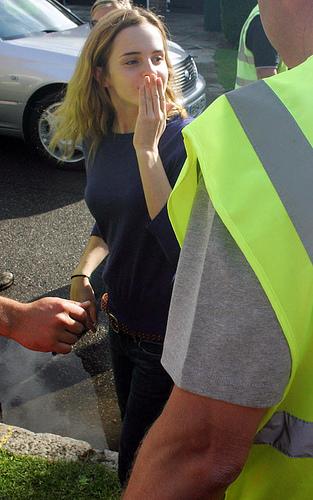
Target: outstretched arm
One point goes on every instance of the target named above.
(48, 324)
(195, 450)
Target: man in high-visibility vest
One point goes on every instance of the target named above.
(257, 57)
(239, 343)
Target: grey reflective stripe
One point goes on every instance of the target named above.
(283, 149)
(288, 434)
(243, 81)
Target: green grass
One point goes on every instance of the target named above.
(24, 478)
(226, 61)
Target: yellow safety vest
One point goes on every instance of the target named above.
(246, 70)
(254, 149)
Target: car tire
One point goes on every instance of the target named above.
(39, 132)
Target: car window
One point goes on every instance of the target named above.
(20, 18)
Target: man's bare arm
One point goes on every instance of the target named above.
(195, 450)
(48, 324)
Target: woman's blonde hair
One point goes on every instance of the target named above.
(87, 112)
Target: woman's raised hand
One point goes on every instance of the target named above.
(151, 120)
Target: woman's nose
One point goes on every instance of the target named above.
(149, 69)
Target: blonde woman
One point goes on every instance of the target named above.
(102, 7)
(120, 103)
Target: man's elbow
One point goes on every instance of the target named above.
(218, 474)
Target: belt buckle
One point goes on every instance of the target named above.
(113, 322)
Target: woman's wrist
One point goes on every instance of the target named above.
(144, 149)
(80, 275)
(147, 156)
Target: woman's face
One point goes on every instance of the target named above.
(137, 51)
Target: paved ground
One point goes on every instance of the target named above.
(44, 224)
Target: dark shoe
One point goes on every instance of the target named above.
(6, 280)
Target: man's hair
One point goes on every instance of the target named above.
(118, 4)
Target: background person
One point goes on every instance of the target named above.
(102, 7)
(120, 102)
(256, 58)
(239, 340)
(50, 324)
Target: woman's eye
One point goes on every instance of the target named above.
(157, 59)
(131, 62)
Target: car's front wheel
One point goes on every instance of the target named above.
(39, 133)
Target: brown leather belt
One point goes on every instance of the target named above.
(119, 327)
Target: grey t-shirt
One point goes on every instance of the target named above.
(223, 340)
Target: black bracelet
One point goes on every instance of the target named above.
(80, 275)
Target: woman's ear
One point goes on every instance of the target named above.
(98, 74)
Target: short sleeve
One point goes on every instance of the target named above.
(265, 56)
(223, 339)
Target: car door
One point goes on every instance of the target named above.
(11, 89)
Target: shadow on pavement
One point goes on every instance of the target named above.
(32, 186)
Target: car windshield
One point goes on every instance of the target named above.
(20, 18)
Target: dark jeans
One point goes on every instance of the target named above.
(142, 387)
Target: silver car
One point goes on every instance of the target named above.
(40, 41)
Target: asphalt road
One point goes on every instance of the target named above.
(44, 224)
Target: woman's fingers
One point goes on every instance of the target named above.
(91, 322)
(151, 119)
(69, 337)
(150, 95)
(155, 96)
(161, 93)
(142, 101)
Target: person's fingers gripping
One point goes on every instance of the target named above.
(91, 323)
(68, 338)
(75, 318)
(85, 313)
(92, 314)
(74, 326)
(61, 348)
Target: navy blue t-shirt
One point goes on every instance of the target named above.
(143, 254)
